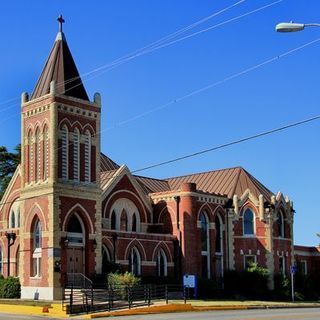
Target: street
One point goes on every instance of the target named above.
(269, 314)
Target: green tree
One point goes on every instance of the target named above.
(8, 164)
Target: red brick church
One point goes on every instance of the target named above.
(71, 209)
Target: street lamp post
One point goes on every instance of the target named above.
(293, 27)
(11, 236)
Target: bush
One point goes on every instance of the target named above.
(127, 280)
(121, 283)
(10, 288)
(252, 283)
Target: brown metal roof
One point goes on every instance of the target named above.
(105, 177)
(151, 185)
(60, 67)
(224, 182)
(107, 164)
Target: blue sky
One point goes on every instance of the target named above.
(278, 93)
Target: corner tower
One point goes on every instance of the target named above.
(60, 177)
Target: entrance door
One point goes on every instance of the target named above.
(75, 260)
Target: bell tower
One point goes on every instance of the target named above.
(60, 177)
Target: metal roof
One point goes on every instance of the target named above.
(60, 67)
(224, 182)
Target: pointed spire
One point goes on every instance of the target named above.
(61, 68)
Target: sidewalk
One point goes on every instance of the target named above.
(202, 305)
(49, 309)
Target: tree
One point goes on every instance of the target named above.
(8, 164)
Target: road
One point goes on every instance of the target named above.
(270, 314)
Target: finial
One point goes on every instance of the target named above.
(61, 21)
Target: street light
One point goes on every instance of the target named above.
(293, 27)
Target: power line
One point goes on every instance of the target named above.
(133, 54)
(212, 85)
(221, 146)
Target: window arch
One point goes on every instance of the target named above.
(281, 224)
(218, 226)
(124, 221)
(64, 152)
(248, 222)
(113, 223)
(75, 231)
(205, 246)
(76, 155)
(45, 154)
(87, 156)
(135, 262)
(14, 216)
(124, 215)
(12, 219)
(37, 249)
(30, 157)
(134, 222)
(162, 264)
(37, 149)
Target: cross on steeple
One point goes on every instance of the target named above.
(61, 21)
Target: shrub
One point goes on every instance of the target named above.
(121, 283)
(10, 288)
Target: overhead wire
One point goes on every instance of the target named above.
(133, 54)
(194, 154)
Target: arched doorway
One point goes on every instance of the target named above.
(75, 244)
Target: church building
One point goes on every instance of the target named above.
(70, 209)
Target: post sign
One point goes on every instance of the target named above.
(293, 269)
(189, 281)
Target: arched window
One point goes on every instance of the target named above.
(37, 235)
(134, 262)
(205, 251)
(1, 261)
(37, 148)
(87, 157)
(76, 155)
(248, 222)
(134, 223)
(75, 232)
(124, 221)
(45, 156)
(281, 226)
(162, 264)
(64, 152)
(12, 219)
(30, 157)
(113, 224)
(218, 235)
(37, 251)
(106, 259)
(18, 218)
(126, 216)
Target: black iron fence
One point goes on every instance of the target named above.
(81, 300)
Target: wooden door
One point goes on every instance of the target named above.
(75, 260)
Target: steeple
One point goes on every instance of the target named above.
(61, 68)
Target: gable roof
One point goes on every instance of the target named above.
(224, 182)
(107, 164)
(60, 67)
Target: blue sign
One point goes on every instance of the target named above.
(293, 269)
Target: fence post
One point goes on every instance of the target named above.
(149, 295)
(70, 302)
(166, 294)
(91, 298)
(184, 295)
